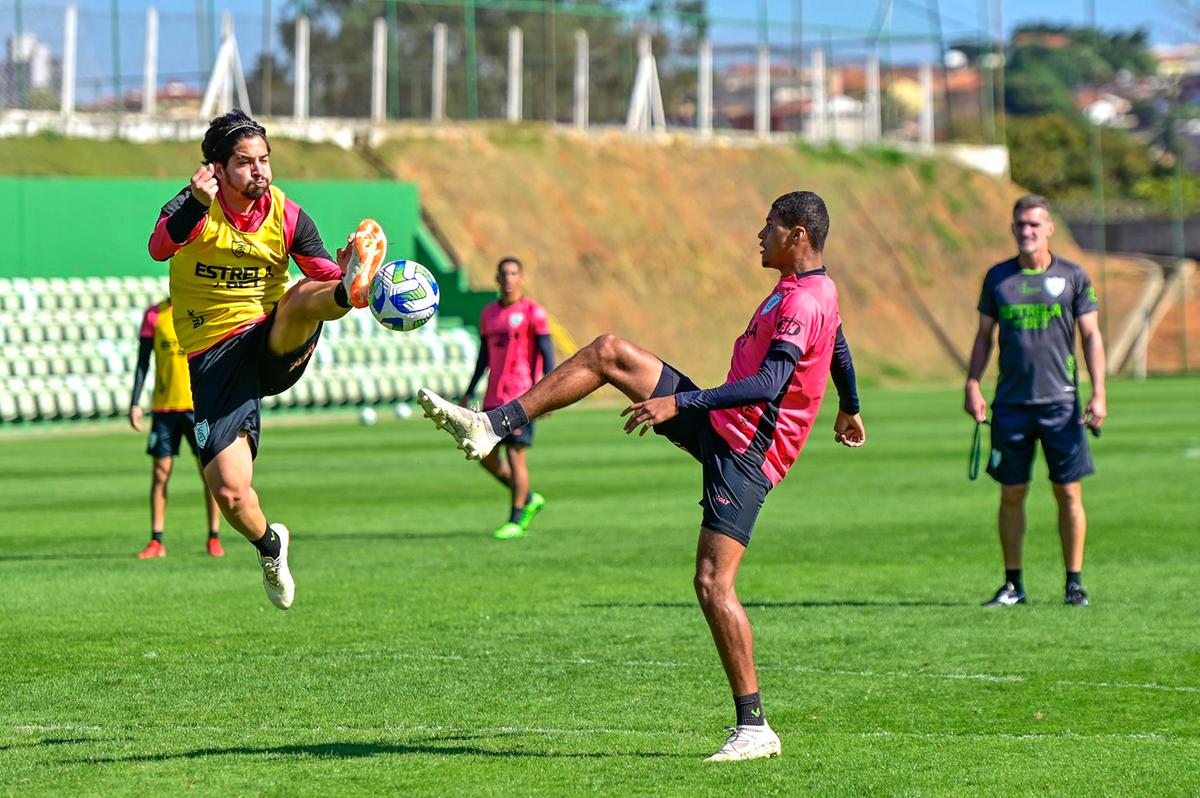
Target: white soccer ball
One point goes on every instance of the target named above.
(368, 416)
(403, 411)
(404, 295)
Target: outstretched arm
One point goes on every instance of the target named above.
(763, 385)
(973, 403)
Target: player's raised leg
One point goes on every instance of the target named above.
(608, 360)
(309, 302)
(717, 560)
(228, 476)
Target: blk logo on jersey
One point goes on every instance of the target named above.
(240, 249)
(1055, 285)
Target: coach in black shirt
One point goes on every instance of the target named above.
(1036, 299)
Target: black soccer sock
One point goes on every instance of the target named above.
(749, 710)
(1013, 575)
(213, 534)
(269, 544)
(156, 536)
(507, 417)
(529, 497)
(517, 512)
(1075, 578)
(340, 296)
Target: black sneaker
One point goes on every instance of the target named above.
(1075, 596)
(1008, 595)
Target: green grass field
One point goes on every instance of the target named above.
(423, 657)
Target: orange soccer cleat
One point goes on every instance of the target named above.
(153, 549)
(214, 548)
(369, 250)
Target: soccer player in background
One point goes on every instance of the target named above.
(514, 335)
(1036, 299)
(171, 420)
(746, 434)
(229, 235)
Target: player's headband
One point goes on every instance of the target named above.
(259, 129)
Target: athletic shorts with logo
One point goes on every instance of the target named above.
(734, 487)
(168, 428)
(229, 380)
(1016, 430)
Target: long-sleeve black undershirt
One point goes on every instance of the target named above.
(772, 378)
(145, 349)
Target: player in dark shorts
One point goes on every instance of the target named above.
(514, 348)
(230, 235)
(746, 434)
(1036, 299)
(171, 422)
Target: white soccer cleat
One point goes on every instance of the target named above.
(277, 578)
(472, 431)
(366, 256)
(747, 742)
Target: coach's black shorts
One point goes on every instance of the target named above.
(230, 379)
(1016, 429)
(167, 429)
(734, 486)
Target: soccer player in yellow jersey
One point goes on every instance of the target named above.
(172, 420)
(229, 236)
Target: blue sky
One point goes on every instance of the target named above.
(182, 50)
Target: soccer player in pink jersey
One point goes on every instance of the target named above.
(514, 348)
(746, 433)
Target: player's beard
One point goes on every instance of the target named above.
(254, 191)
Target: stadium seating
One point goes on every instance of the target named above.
(68, 349)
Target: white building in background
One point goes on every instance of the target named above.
(26, 49)
(28, 66)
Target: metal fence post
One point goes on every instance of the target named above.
(580, 115)
(300, 97)
(437, 111)
(379, 71)
(70, 45)
(150, 65)
(516, 57)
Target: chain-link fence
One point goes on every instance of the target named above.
(496, 59)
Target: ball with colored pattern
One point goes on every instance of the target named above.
(404, 295)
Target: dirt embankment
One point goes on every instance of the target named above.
(657, 242)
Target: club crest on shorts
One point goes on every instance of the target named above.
(202, 433)
(995, 458)
(1055, 285)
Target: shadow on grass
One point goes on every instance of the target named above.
(64, 557)
(437, 747)
(40, 743)
(751, 604)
